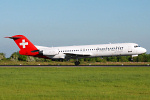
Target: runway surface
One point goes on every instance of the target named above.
(72, 66)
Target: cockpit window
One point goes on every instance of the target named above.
(136, 46)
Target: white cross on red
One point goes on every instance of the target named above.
(24, 43)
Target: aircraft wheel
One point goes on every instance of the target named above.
(77, 63)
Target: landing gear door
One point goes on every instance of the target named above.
(129, 49)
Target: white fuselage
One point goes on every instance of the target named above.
(100, 50)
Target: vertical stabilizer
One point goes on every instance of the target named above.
(26, 47)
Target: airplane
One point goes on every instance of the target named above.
(77, 52)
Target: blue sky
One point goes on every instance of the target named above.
(74, 22)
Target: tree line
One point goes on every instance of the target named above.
(17, 57)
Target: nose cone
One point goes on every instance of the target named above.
(141, 50)
(144, 50)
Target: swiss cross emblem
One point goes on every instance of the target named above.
(24, 43)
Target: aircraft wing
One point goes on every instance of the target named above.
(74, 55)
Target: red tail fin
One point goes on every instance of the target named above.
(26, 47)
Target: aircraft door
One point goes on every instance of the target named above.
(97, 49)
(83, 49)
(129, 49)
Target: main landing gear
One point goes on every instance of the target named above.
(77, 63)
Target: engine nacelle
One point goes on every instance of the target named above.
(50, 52)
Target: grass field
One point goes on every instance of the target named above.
(7, 62)
(74, 83)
